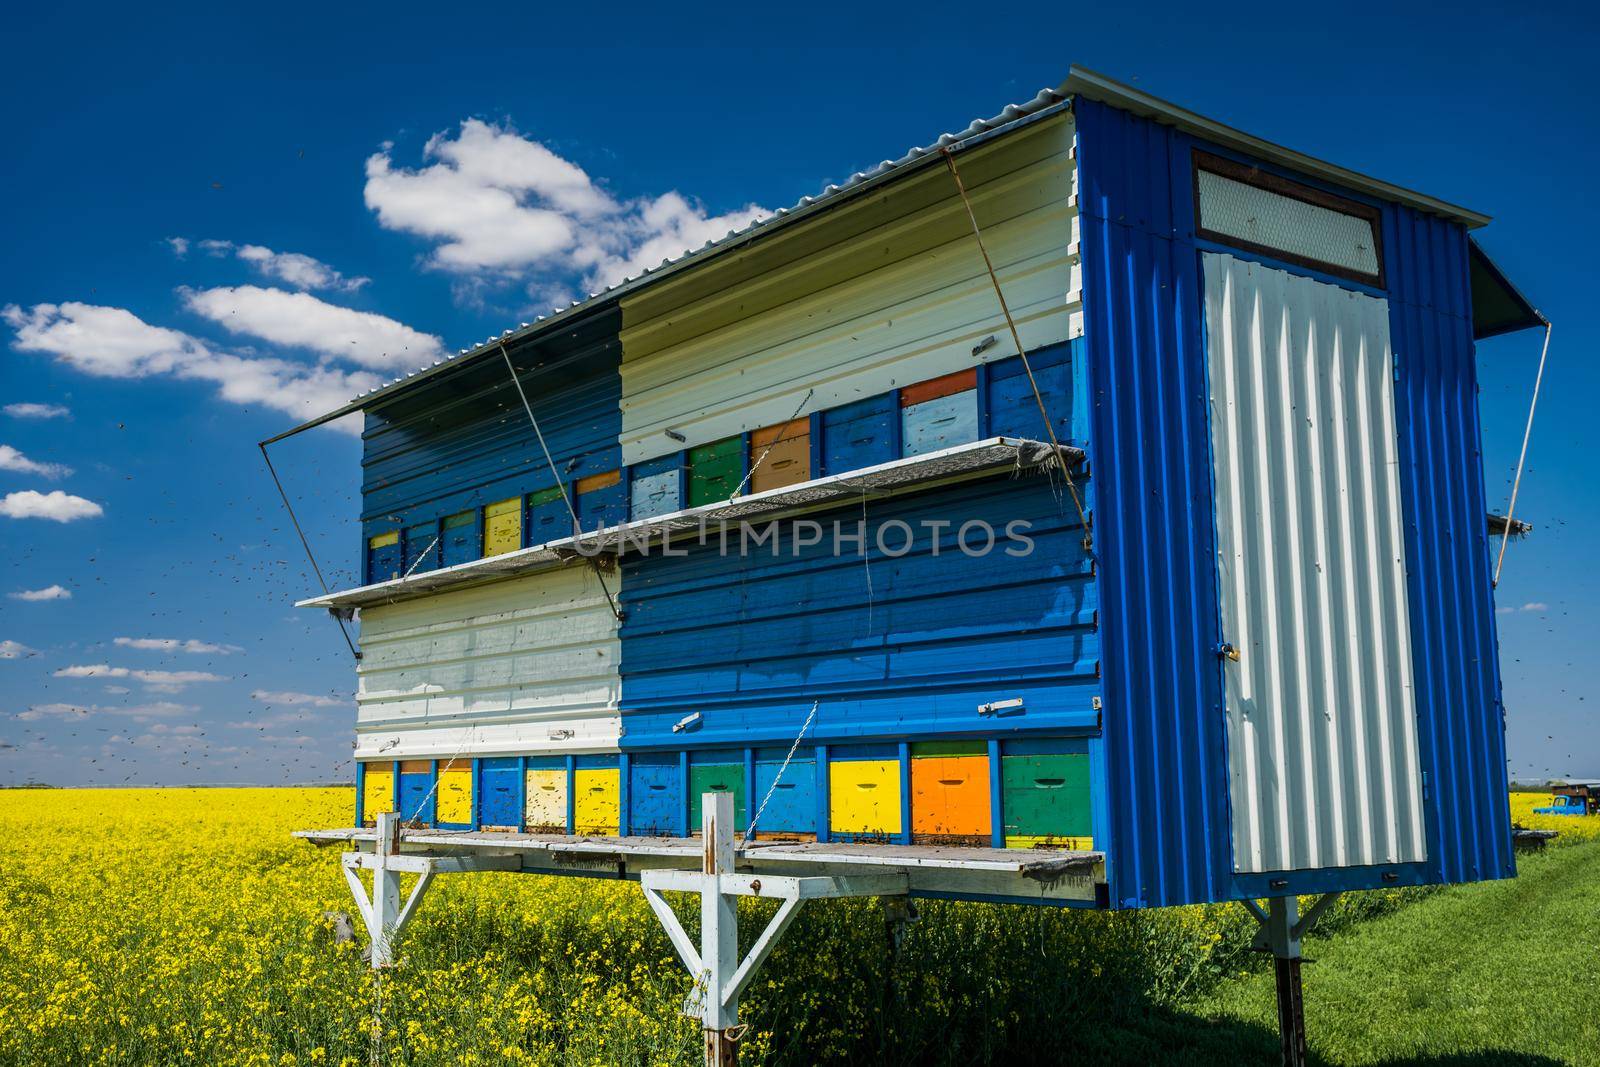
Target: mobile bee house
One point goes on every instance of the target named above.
(1084, 509)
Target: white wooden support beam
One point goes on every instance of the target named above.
(381, 910)
(719, 927)
(720, 976)
(778, 887)
(675, 932)
(426, 864)
(759, 952)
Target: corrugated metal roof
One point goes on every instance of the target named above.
(1047, 101)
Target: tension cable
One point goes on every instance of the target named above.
(561, 484)
(1016, 339)
(307, 546)
(1516, 482)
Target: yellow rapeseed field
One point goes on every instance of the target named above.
(178, 926)
(1579, 827)
(185, 926)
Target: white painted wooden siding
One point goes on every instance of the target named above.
(1322, 734)
(873, 296)
(527, 665)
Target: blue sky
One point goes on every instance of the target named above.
(321, 245)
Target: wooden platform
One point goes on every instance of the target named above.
(1032, 875)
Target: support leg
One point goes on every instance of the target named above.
(1291, 1011)
(1283, 939)
(382, 912)
(719, 933)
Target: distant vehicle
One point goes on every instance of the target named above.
(1564, 805)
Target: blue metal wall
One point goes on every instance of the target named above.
(1155, 545)
(463, 440)
(1461, 720)
(1150, 450)
(891, 647)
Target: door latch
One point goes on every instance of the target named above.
(1227, 651)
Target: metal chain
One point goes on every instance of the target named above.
(751, 829)
(751, 473)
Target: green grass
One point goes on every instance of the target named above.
(1495, 973)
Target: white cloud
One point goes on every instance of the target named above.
(115, 343)
(103, 341)
(56, 506)
(37, 411)
(176, 644)
(179, 246)
(13, 460)
(497, 203)
(1536, 606)
(49, 592)
(298, 699)
(293, 268)
(140, 712)
(304, 321)
(14, 650)
(159, 681)
(298, 270)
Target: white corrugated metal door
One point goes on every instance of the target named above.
(1322, 737)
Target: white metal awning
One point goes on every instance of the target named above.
(989, 456)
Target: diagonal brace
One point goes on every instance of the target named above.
(675, 932)
(761, 950)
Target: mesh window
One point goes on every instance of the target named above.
(1289, 221)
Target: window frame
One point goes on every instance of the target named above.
(1259, 178)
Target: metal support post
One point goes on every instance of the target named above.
(1284, 940)
(1282, 927)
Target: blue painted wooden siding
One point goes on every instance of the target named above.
(657, 804)
(423, 544)
(1012, 411)
(861, 434)
(462, 440)
(499, 792)
(750, 642)
(1154, 532)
